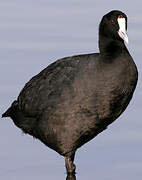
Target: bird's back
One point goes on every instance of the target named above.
(63, 82)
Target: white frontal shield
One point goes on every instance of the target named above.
(122, 29)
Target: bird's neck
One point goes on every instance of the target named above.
(111, 47)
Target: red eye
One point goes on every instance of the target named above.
(111, 21)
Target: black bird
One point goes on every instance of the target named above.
(75, 98)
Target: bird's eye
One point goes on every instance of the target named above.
(111, 21)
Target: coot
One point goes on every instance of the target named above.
(75, 98)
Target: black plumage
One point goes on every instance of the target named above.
(75, 98)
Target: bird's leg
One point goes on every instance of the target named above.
(71, 177)
(70, 166)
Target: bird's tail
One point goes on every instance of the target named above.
(10, 110)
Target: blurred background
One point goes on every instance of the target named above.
(33, 34)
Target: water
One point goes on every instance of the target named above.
(35, 33)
